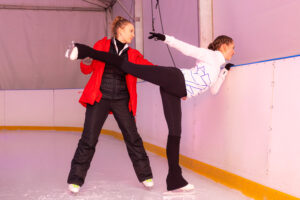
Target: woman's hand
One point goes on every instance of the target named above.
(157, 36)
(184, 98)
(87, 61)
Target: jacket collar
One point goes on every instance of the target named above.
(116, 46)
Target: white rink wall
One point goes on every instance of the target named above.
(250, 128)
(58, 107)
(41, 108)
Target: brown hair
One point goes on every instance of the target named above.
(119, 22)
(222, 39)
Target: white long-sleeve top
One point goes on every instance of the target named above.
(206, 74)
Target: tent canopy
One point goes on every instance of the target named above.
(13, 4)
(35, 35)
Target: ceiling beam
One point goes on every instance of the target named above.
(50, 8)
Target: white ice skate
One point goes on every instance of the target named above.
(186, 190)
(72, 52)
(148, 183)
(74, 188)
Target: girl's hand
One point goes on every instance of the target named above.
(228, 66)
(157, 36)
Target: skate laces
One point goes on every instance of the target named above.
(75, 186)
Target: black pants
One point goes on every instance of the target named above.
(172, 112)
(172, 88)
(94, 119)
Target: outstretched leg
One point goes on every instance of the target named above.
(169, 78)
(81, 51)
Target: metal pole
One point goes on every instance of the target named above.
(50, 8)
(139, 29)
(205, 12)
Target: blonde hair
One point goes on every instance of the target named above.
(119, 22)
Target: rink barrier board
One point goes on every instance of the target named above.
(247, 187)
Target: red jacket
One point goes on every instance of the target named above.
(92, 93)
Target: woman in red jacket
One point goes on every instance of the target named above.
(110, 90)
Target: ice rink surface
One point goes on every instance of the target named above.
(35, 165)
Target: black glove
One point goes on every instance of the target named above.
(157, 36)
(228, 66)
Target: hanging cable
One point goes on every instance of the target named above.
(162, 28)
(153, 29)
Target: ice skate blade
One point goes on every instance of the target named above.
(73, 193)
(148, 184)
(171, 195)
(188, 188)
(74, 53)
(67, 53)
(74, 189)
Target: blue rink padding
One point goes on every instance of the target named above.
(273, 59)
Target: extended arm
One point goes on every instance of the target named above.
(188, 49)
(185, 48)
(214, 89)
(217, 85)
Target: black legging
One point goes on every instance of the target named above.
(172, 88)
(169, 78)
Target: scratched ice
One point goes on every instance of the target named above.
(35, 165)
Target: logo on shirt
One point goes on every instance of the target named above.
(197, 80)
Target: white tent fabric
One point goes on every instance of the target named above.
(60, 3)
(33, 42)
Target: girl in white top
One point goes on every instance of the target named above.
(207, 73)
(174, 84)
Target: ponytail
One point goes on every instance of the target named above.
(217, 43)
(211, 46)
